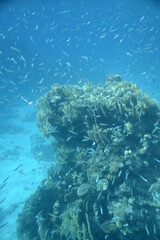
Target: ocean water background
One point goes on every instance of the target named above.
(64, 42)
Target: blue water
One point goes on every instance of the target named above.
(64, 42)
(70, 42)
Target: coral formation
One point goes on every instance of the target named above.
(106, 182)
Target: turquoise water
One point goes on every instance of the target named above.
(64, 42)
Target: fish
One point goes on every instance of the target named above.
(144, 179)
(18, 147)
(157, 160)
(86, 139)
(115, 218)
(17, 167)
(66, 54)
(31, 39)
(3, 185)
(154, 229)
(21, 172)
(2, 200)
(69, 138)
(74, 133)
(15, 49)
(3, 225)
(103, 124)
(101, 210)
(120, 172)
(5, 180)
(147, 230)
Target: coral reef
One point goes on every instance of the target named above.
(106, 183)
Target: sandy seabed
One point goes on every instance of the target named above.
(20, 172)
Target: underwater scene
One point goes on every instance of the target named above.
(80, 120)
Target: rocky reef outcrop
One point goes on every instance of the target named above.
(106, 182)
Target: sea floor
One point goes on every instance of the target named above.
(22, 166)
